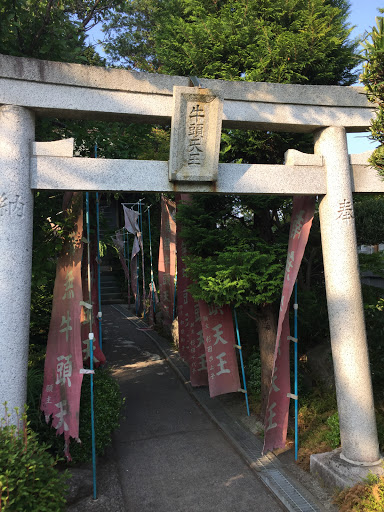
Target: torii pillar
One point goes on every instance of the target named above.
(17, 131)
(345, 306)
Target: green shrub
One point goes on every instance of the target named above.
(253, 372)
(333, 434)
(107, 403)
(29, 481)
(314, 412)
(366, 496)
(36, 356)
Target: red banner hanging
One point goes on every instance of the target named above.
(276, 418)
(185, 302)
(219, 341)
(88, 306)
(197, 359)
(62, 377)
(191, 340)
(167, 259)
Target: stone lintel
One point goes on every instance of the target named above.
(83, 76)
(366, 179)
(70, 102)
(335, 474)
(58, 173)
(77, 91)
(96, 77)
(303, 175)
(55, 148)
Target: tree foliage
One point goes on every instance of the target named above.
(285, 41)
(231, 261)
(373, 79)
(50, 29)
(369, 219)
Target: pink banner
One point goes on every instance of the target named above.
(191, 340)
(276, 418)
(62, 378)
(167, 259)
(88, 306)
(126, 270)
(197, 358)
(185, 302)
(219, 340)
(95, 292)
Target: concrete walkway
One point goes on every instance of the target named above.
(178, 450)
(170, 455)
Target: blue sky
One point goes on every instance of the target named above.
(363, 13)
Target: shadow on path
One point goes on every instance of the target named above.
(170, 456)
(178, 450)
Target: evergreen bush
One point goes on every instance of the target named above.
(373, 79)
(107, 404)
(333, 434)
(253, 372)
(367, 496)
(29, 481)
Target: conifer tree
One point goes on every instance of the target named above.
(52, 30)
(373, 79)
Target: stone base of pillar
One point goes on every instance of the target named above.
(335, 473)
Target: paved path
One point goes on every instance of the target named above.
(170, 456)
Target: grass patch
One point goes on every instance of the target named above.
(367, 496)
(316, 431)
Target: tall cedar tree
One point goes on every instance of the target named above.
(238, 244)
(373, 79)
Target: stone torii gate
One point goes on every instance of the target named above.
(30, 88)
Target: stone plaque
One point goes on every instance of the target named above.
(195, 135)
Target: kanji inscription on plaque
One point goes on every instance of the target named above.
(195, 135)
